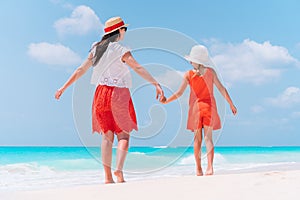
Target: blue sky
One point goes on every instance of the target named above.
(255, 46)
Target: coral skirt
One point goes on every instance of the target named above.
(113, 110)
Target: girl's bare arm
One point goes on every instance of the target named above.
(224, 92)
(180, 90)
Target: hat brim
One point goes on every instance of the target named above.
(125, 25)
(194, 60)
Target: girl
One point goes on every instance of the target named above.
(203, 113)
(112, 110)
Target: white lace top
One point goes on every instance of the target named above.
(111, 70)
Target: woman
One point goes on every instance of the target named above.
(203, 112)
(112, 110)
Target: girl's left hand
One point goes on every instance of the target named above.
(163, 100)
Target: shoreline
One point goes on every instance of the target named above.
(273, 184)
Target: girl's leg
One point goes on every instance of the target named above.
(197, 151)
(106, 151)
(123, 143)
(209, 149)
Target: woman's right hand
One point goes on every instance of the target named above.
(58, 93)
(159, 92)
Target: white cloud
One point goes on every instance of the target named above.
(53, 54)
(82, 21)
(296, 115)
(250, 61)
(288, 98)
(257, 109)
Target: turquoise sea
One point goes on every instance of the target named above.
(45, 167)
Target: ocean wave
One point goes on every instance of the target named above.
(58, 169)
(160, 147)
(137, 153)
(34, 176)
(75, 164)
(25, 169)
(190, 159)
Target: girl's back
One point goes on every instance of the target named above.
(202, 104)
(201, 86)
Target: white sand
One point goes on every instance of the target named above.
(273, 185)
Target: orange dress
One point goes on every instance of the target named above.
(202, 104)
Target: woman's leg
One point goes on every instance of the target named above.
(197, 151)
(123, 143)
(106, 151)
(210, 149)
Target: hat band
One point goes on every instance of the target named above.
(113, 27)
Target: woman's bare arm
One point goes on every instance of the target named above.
(140, 70)
(76, 75)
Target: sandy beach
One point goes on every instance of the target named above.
(273, 185)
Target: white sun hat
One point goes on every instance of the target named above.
(199, 55)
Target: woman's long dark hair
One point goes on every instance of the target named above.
(102, 45)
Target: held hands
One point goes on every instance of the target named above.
(159, 92)
(163, 100)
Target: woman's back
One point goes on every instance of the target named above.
(110, 70)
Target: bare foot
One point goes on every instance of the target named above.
(199, 172)
(209, 172)
(109, 181)
(119, 175)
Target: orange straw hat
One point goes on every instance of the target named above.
(113, 24)
(199, 55)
